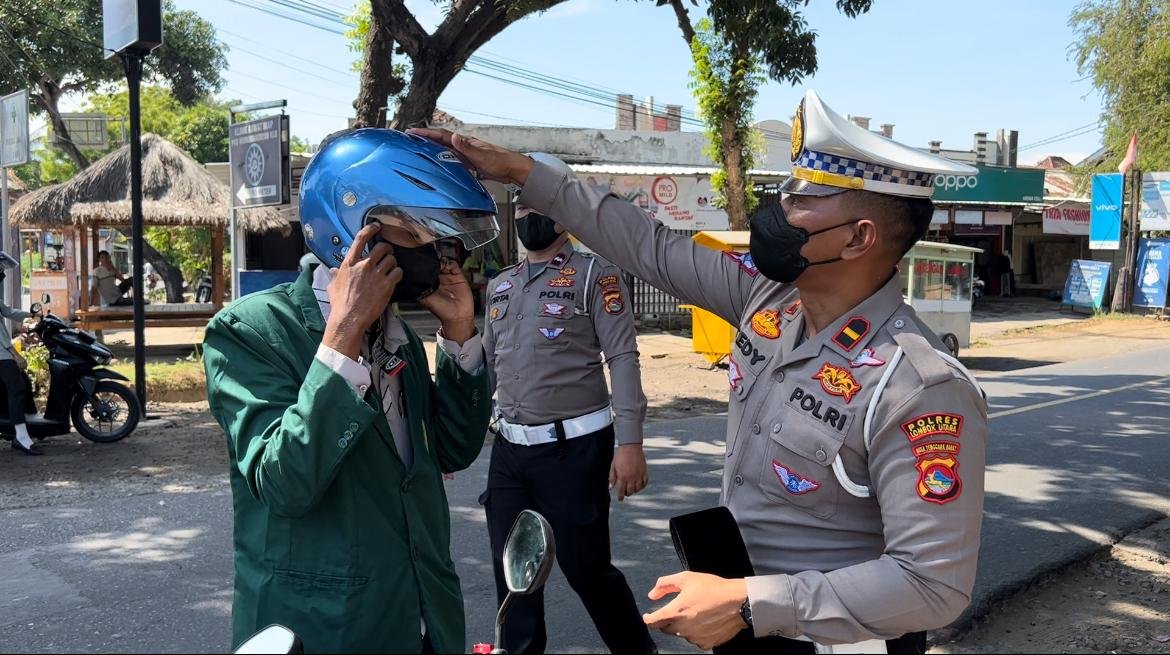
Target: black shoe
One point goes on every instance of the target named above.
(16, 445)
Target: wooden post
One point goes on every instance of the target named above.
(83, 266)
(217, 267)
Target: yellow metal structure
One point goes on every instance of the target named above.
(711, 336)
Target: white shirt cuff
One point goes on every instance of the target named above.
(354, 374)
(469, 355)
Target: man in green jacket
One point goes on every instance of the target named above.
(337, 436)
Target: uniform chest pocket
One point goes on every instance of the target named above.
(797, 467)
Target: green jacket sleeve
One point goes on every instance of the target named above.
(461, 411)
(288, 436)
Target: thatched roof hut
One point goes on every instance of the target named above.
(15, 184)
(176, 190)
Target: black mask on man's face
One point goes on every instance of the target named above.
(420, 272)
(775, 244)
(536, 231)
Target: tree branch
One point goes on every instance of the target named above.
(409, 35)
(684, 21)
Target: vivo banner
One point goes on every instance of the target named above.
(1105, 214)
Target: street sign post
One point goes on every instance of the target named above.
(14, 151)
(132, 29)
(259, 169)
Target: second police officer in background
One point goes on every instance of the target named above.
(549, 319)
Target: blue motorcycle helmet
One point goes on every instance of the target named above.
(381, 175)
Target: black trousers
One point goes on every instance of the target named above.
(568, 483)
(909, 644)
(15, 386)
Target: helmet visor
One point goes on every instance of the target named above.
(429, 224)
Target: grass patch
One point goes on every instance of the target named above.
(180, 381)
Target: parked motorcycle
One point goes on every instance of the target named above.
(529, 554)
(82, 395)
(203, 288)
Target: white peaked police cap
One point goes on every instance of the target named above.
(830, 154)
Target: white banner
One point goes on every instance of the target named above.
(1067, 219)
(679, 202)
(1155, 209)
(14, 129)
(997, 218)
(968, 217)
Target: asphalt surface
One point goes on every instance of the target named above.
(1077, 458)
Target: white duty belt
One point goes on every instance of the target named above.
(536, 435)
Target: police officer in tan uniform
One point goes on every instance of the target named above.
(855, 446)
(549, 319)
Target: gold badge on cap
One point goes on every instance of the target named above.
(798, 132)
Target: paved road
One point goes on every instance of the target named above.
(1078, 456)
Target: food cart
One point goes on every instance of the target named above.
(711, 336)
(936, 280)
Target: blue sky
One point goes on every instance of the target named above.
(937, 70)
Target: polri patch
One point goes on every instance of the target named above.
(938, 479)
(832, 416)
(744, 259)
(561, 282)
(766, 323)
(551, 333)
(793, 482)
(866, 357)
(607, 281)
(496, 313)
(503, 286)
(935, 424)
(837, 381)
(855, 330)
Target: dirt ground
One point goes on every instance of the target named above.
(1118, 601)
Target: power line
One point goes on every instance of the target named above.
(1044, 141)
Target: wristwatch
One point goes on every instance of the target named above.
(745, 612)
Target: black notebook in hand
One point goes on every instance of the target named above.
(709, 542)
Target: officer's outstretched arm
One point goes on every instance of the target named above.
(628, 237)
(288, 436)
(613, 321)
(926, 467)
(461, 408)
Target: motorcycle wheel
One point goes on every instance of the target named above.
(111, 415)
(952, 343)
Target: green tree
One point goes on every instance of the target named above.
(59, 53)
(1123, 45)
(744, 40)
(384, 28)
(200, 129)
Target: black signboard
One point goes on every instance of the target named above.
(259, 162)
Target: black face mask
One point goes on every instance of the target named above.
(775, 244)
(536, 231)
(420, 272)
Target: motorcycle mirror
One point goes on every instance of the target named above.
(46, 298)
(275, 639)
(35, 308)
(529, 553)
